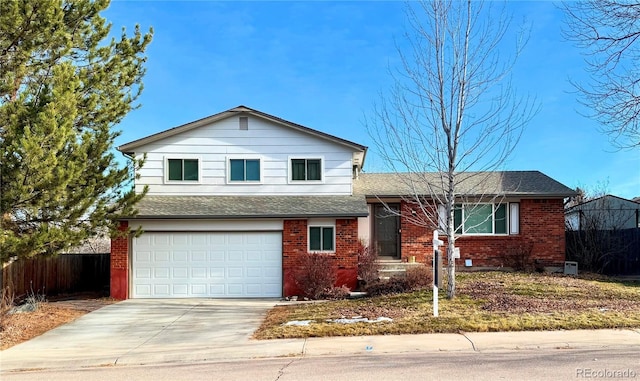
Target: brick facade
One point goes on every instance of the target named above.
(294, 244)
(541, 230)
(120, 265)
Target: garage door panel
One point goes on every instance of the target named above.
(230, 264)
(143, 290)
(216, 256)
(160, 240)
(161, 272)
(180, 289)
(199, 289)
(180, 273)
(199, 273)
(235, 273)
(254, 272)
(199, 256)
(162, 289)
(180, 256)
(143, 273)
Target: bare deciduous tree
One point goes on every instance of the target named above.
(452, 111)
(609, 30)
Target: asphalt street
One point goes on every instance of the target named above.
(549, 364)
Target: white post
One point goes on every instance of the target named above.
(435, 300)
(436, 271)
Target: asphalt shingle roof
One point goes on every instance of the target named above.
(508, 183)
(250, 206)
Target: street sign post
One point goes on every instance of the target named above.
(437, 269)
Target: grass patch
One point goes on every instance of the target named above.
(485, 302)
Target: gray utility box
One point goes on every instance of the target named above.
(570, 268)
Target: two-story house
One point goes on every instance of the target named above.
(235, 198)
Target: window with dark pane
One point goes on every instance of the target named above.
(321, 238)
(315, 243)
(457, 218)
(478, 218)
(298, 169)
(175, 169)
(313, 169)
(252, 170)
(183, 169)
(244, 169)
(237, 169)
(306, 169)
(500, 219)
(327, 238)
(190, 171)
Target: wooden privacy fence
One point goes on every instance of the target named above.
(64, 273)
(610, 252)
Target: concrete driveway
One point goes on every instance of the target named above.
(143, 331)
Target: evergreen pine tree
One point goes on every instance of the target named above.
(64, 86)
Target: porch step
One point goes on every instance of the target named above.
(388, 268)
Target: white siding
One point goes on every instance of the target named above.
(275, 144)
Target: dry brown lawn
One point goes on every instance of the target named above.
(485, 301)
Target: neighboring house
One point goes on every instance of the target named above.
(235, 198)
(604, 213)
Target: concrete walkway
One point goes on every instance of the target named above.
(138, 331)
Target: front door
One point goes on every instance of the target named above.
(387, 230)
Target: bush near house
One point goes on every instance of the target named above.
(367, 264)
(316, 275)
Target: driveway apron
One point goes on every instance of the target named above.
(139, 331)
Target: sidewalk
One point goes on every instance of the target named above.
(362, 345)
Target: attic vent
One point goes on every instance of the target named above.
(244, 123)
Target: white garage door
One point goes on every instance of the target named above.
(220, 265)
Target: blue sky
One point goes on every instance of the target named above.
(324, 65)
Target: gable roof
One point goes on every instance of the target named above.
(630, 204)
(471, 184)
(129, 148)
(222, 207)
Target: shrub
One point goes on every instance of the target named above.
(419, 277)
(518, 256)
(367, 263)
(393, 285)
(315, 275)
(337, 293)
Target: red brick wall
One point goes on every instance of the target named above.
(294, 244)
(414, 240)
(120, 265)
(541, 228)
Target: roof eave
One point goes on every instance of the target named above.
(243, 217)
(520, 195)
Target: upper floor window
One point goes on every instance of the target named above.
(182, 170)
(306, 169)
(481, 218)
(244, 170)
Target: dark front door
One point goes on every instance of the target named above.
(387, 230)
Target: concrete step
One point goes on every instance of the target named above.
(388, 268)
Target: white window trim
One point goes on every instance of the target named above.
(307, 157)
(321, 224)
(243, 157)
(514, 218)
(165, 162)
(493, 225)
